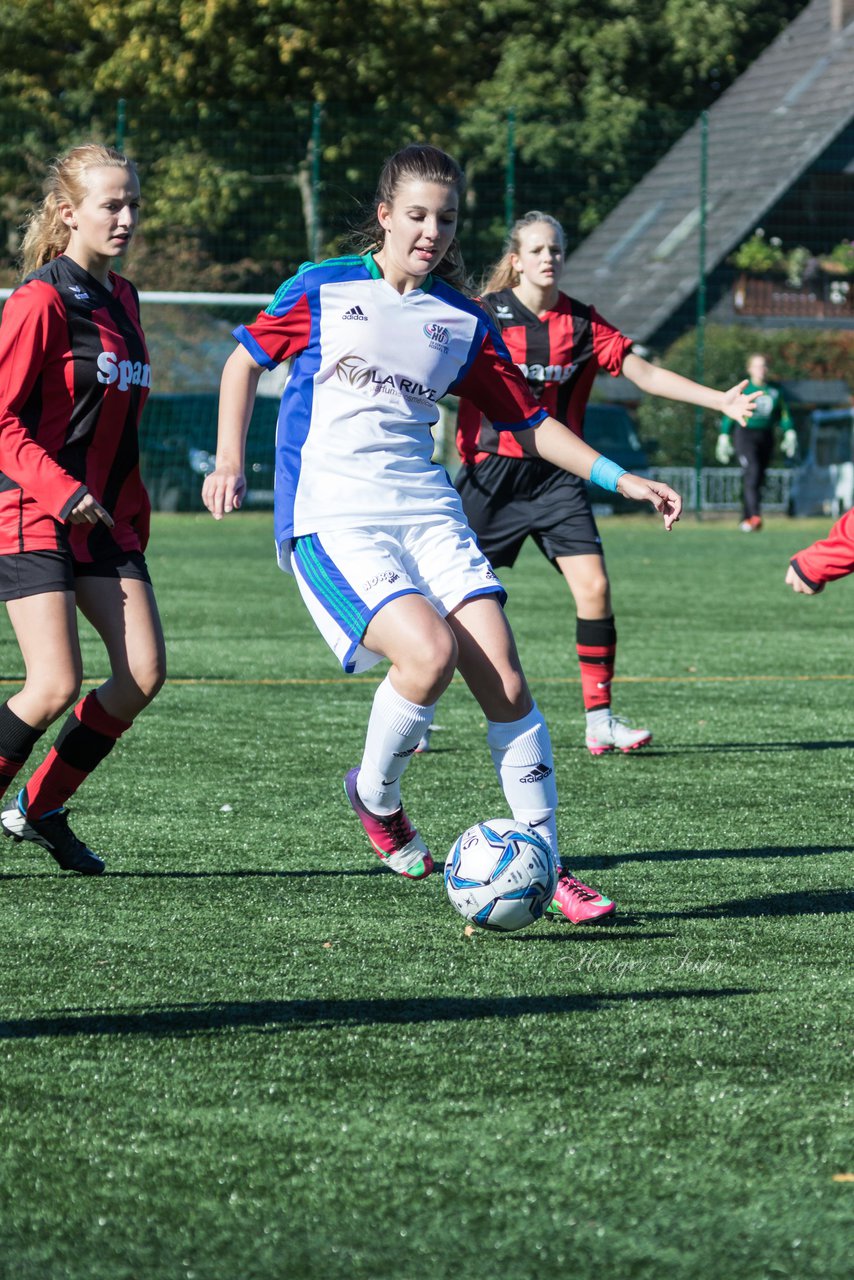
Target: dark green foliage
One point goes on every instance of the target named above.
(218, 99)
(248, 1051)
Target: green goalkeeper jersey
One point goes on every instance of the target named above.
(769, 409)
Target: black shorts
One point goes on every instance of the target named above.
(34, 573)
(507, 500)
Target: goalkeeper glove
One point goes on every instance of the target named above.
(790, 442)
(723, 449)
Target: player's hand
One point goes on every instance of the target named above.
(738, 406)
(665, 500)
(89, 511)
(223, 491)
(801, 588)
(723, 449)
(790, 442)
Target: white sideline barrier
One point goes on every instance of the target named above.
(720, 487)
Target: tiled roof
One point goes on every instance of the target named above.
(641, 263)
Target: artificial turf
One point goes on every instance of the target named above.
(248, 1051)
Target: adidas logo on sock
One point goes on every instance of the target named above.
(539, 773)
(355, 313)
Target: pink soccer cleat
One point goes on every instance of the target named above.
(393, 838)
(575, 902)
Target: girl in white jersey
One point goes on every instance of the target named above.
(371, 528)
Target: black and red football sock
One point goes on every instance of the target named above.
(87, 736)
(596, 643)
(17, 739)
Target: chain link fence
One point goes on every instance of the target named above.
(698, 256)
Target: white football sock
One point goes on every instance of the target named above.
(599, 715)
(522, 755)
(395, 728)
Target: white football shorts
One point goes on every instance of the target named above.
(346, 575)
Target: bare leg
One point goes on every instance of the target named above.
(124, 613)
(419, 645)
(488, 660)
(45, 627)
(587, 579)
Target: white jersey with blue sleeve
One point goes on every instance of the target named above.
(354, 442)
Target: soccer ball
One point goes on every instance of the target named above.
(500, 874)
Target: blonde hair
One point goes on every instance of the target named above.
(46, 235)
(421, 163)
(504, 275)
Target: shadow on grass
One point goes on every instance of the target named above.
(603, 861)
(841, 744)
(238, 874)
(613, 929)
(717, 748)
(298, 1015)
(818, 902)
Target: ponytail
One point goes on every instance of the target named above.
(422, 163)
(503, 275)
(46, 235)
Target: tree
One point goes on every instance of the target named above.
(601, 92)
(219, 97)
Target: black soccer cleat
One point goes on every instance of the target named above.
(53, 833)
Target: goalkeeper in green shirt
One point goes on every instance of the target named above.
(754, 443)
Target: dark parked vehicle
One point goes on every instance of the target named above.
(178, 446)
(611, 429)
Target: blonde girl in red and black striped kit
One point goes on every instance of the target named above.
(74, 515)
(508, 495)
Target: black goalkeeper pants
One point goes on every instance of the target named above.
(753, 449)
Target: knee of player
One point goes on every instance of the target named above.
(434, 660)
(517, 697)
(152, 681)
(443, 656)
(147, 679)
(60, 695)
(598, 590)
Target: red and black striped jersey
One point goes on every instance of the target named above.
(74, 376)
(560, 352)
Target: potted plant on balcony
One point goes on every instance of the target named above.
(775, 282)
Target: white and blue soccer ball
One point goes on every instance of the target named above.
(500, 874)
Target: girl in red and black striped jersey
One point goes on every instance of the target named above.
(560, 344)
(74, 515)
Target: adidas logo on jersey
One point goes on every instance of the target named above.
(355, 313)
(539, 773)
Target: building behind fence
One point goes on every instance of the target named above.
(741, 215)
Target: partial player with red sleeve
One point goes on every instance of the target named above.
(825, 561)
(560, 344)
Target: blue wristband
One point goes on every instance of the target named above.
(606, 473)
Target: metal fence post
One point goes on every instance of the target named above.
(700, 353)
(510, 171)
(121, 124)
(316, 117)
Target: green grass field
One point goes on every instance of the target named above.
(250, 1052)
